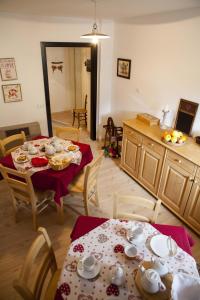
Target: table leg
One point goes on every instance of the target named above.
(60, 212)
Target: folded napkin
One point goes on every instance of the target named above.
(185, 287)
(39, 161)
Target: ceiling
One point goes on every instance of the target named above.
(106, 9)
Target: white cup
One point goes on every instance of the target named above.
(25, 146)
(87, 263)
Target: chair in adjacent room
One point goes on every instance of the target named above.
(40, 261)
(80, 114)
(10, 143)
(68, 133)
(23, 193)
(134, 204)
(86, 184)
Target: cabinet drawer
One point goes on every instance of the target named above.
(154, 146)
(130, 132)
(198, 173)
(181, 162)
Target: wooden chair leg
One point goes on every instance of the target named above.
(60, 212)
(85, 206)
(73, 118)
(34, 213)
(78, 120)
(86, 120)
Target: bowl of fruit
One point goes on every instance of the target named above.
(174, 138)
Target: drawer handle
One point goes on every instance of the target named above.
(151, 144)
(139, 145)
(191, 179)
(178, 160)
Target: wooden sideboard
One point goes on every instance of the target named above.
(170, 173)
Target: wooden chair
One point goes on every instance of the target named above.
(133, 203)
(42, 248)
(80, 114)
(23, 193)
(8, 144)
(68, 133)
(86, 184)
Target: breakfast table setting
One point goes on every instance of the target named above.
(51, 162)
(121, 259)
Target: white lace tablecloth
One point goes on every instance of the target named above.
(107, 243)
(75, 156)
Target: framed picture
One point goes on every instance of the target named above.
(124, 68)
(8, 69)
(12, 92)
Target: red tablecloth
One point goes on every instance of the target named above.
(57, 181)
(85, 224)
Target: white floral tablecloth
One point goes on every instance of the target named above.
(106, 243)
(28, 167)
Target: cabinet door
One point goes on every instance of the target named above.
(192, 210)
(175, 186)
(150, 168)
(131, 155)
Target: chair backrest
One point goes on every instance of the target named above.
(68, 133)
(20, 185)
(8, 144)
(90, 180)
(42, 248)
(126, 207)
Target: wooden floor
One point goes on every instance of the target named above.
(15, 239)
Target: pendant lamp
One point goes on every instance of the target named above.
(95, 35)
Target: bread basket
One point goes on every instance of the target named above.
(59, 164)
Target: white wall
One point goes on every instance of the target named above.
(20, 38)
(165, 68)
(57, 80)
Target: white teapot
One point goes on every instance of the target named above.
(117, 275)
(58, 147)
(150, 280)
(49, 149)
(32, 149)
(160, 266)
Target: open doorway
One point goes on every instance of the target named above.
(70, 80)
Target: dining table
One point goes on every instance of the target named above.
(106, 240)
(56, 181)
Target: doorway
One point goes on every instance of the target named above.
(75, 53)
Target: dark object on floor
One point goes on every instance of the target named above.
(113, 136)
(197, 139)
(80, 114)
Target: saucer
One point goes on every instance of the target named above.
(89, 275)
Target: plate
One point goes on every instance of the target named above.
(21, 161)
(160, 245)
(174, 144)
(89, 275)
(72, 148)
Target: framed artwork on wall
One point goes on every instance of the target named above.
(12, 93)
(124, 68)
(8, 69)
